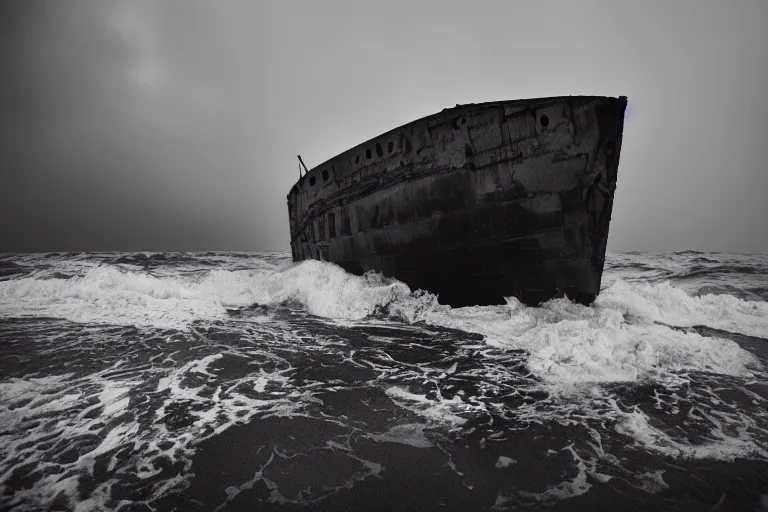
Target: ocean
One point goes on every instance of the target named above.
(242, 381)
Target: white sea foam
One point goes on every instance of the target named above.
(617, 339)
(625, 336)
(42, 417)
(663, 302)
(324, 289)
(571, 343)
(108, 294)
(441, 412)
(720, 446)
(31, 429)
(504, 462)
(410, 433)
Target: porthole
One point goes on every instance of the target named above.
(357, 159)
(312, 181)
(390, 146)
(325, 174)
(544, 120)
(368, 154)
(379, 151)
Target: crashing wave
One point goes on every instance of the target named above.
(616, 339)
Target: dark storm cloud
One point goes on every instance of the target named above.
(139, 124)
(123, 130)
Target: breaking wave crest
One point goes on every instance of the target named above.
(668, 304)
(573, 344)
(626, 335)
(109, 294)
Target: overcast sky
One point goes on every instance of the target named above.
(175, 124)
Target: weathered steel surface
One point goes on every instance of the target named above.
(474, 203)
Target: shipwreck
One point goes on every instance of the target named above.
(475, 203)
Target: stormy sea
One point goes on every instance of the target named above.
(243, 381)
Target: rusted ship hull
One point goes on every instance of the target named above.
(475, 203)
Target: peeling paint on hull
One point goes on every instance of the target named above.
(475, 203)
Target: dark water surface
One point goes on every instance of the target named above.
(237, 381)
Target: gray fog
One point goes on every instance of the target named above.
(136, 125)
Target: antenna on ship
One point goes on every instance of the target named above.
(301, 164)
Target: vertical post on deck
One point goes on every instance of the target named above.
(302, 165)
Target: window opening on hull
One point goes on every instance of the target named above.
(312, 181)
(379, 151)
(544, 120)
(368, 154)
(325, 174)
(390, 146)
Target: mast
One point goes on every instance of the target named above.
(302, 165)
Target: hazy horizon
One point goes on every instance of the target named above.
(132, 125)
